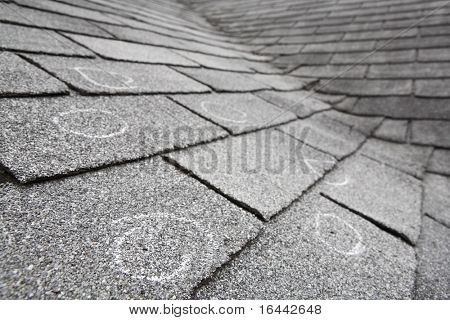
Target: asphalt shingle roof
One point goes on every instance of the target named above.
(225, 149)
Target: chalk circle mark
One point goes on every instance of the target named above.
(309, 164)
(91, 123)
(223, 112)
(121, 82)
(355, 249)
(160, 247)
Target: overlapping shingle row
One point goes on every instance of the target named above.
(219, 96)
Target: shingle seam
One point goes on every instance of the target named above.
(441, 222)
(205, 281)
(388, 117)
(66, 14)
(313, 185)
(107, 164)
(422, 215)
(430, 171)
(76, 55)
(17, 23)
(82, 170)
(217, 190)
(200, 115)
(103, 29)
(306, 143)
(391, 166)
(402, 237)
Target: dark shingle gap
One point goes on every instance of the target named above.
(286, 208)
(181, 61)
(86, 170)
(258, 214)
(373, 221)
(33, 86)
(232, 257)
(238, 203)
(387, 164)
(79, 88)
(437, 220)
(56, 28)
(200, 115)
(39, 36)
(191, 77)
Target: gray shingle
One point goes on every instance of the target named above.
(433, 250)
(224, 80)
(428, 132)
(360, 12)
(347, 237)
(438, 54)
(432, 31)
(433, 88)
(307, 39)
(414, 43)
(403, 107)
(282, 49)
(302, 103)
(317, 249)
(383, 194)
(330, 98)
(368, 87)
(43, 19)
(263, 67)
(440, 162)
(392, 130)
(408, 158)
(141, 36)
(53, 136)
(350, 27)
(70, 10)
(28, 39)
(388, 16)
(374, 57)
(303, 59)
(339, 47)
(383, 34)
(237, 112)
(138, 231)
(100, 76)
(409, 71)
(365, 125)
(331, 71)
(127, 51)
(282, 82)
(437, 198)
(264, 171)
(18, 77)
(325, 134)
(215, 62)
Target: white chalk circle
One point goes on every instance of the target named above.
(309, 164)
(223, 112)
(354, 249)
(122, 81)
(160, 248)
(91, 123)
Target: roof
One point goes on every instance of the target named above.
(264, 149)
